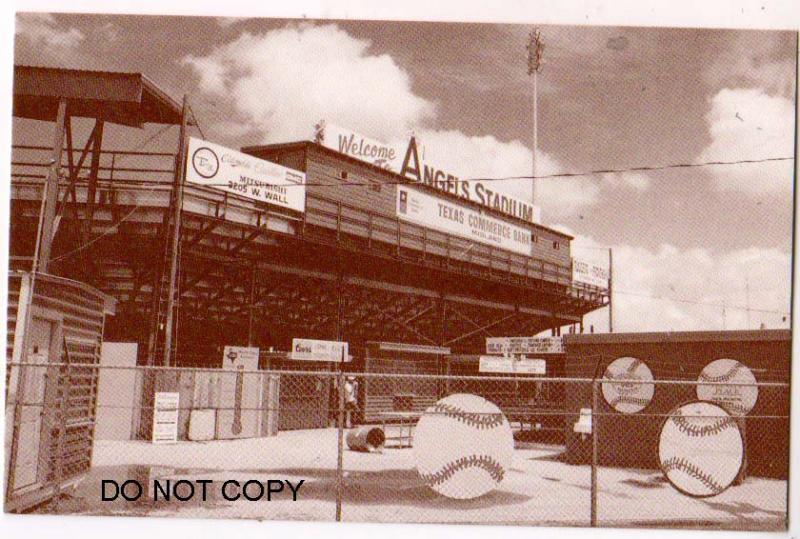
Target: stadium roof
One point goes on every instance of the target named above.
(123, 98)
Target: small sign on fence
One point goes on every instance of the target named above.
(234, 356)
(315, 350)
(510, 365)
(165, 417)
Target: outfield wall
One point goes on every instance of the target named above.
(631, 441)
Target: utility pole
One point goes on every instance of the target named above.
(535, 49)
(610, 291)
(176, 234)
(723, 315)
(747, 299)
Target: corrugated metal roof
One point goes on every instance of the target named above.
(124, 98)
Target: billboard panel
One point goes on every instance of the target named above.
(588, 273)
(236, 172)
(446, 216)
(524, 345)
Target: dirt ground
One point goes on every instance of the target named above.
(539, 489)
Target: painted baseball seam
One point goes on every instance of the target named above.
(725, 377)
(627, 374)
(676, 463)
(629, 400)
(473, 419)
(633, 366)
(485, 462)
(689, 429)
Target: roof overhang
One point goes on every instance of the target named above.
(128, 99)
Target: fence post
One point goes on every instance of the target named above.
(340, 447)
(595, 429)
(65, 383)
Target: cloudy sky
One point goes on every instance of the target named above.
(685, 241)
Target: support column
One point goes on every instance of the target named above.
(94, 170)
(176, 235)
(442, 339)
(250, 305)
(50, 196)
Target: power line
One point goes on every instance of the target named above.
(537, 177)
(698, 302)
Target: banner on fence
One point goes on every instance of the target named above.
(524, 345)
(508, 365)
(315, 350)
(165, 417)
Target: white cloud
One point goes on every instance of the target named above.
(748, 124)
(42, 29)
(288, 79)
(669, 289)
(285, 80)
(634, 180)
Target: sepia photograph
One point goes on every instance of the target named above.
(388, 270)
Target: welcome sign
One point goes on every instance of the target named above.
(356, 145)
(441, 214)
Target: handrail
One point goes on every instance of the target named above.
(79, 150)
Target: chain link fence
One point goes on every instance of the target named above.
(376, 447)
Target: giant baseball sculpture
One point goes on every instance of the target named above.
(463, 446)
(700, 449)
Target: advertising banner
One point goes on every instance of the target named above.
(591, 274)
(524, 345)
(450, 217)
(314, 350)
(354, 144)
(236, 172)
(510, 365)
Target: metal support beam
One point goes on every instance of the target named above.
(482, 329)
(250, 305)
(176, 235)
(48, 210)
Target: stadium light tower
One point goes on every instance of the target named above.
(535, 49)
